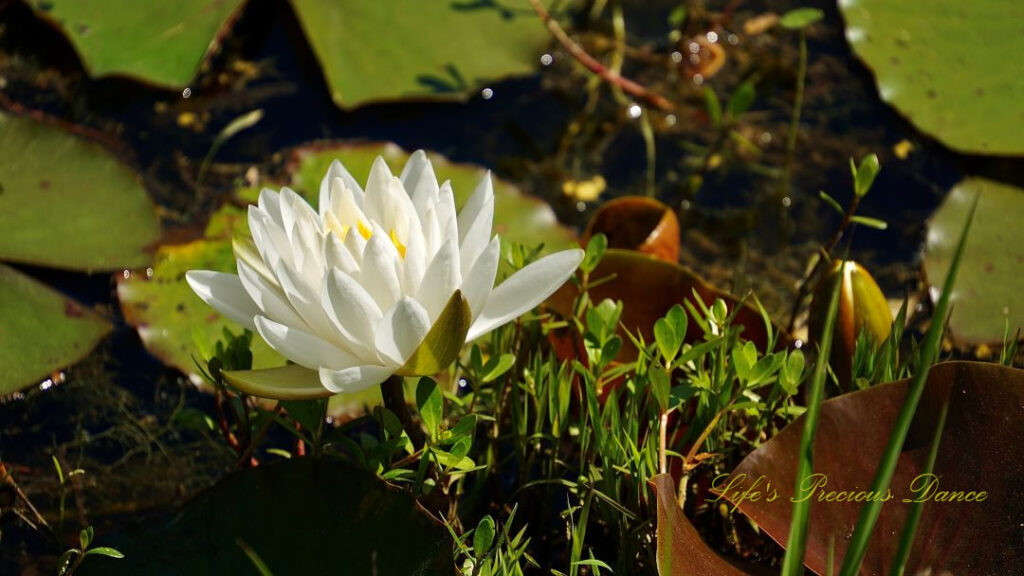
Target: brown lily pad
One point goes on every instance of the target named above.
(681, 552)
(648, 288)
(974, 512)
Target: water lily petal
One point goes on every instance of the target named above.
(377, 185)
(525, 289)
(303, 348)
(401, 330)
(269, 297)
(246, 251)
(270, 203)
(337, 256)
(304, 297)
(225, 293)
(478, 283)
(441, 278)
(419, 180)
(476, 238)
(476, 208)
(353, 312)
(337, 171)
(379, 273)
(355, 378)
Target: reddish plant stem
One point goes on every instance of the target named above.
(632, 88)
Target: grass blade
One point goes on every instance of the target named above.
(792, 564)
(929, 352)
(899, 562)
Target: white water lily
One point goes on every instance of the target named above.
(390, 280)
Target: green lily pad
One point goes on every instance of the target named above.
(300, 516)
(41, 330)
(372, 50)
(160, 42)
(66, 202)
(369, 50)
(947, 66)
(517, 217)
(987, 295)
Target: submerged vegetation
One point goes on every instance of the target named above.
(723, 340)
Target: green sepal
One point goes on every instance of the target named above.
(443, 342)
(292, 382)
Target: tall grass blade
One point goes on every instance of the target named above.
(792, 564)
(899, 562)
(929, 352)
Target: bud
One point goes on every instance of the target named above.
(637, 223)
(862, 308)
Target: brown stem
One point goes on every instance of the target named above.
(394, 400)
(805, 283)
(576, 51)
(40, 523)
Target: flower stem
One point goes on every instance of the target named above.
(394, 399)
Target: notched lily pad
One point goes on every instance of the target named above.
(300, 516)
(41, 330)
(159, 42)
(371, 50)
(67, 202)
(987, 296)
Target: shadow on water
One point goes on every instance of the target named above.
(127, 399)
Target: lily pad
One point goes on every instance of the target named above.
(369, 50)
(300, 516)
(160, 42)
(517, 217)
(41, 330)
(978, 453)
(681, 552)
(67, 202)
(372, 50)
(944, 65)
(173, 323)
(988, 290)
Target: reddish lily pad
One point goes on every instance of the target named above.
(979, 453)
(648, 288)
(681, 552)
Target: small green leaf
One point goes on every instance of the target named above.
(831, 202)
(865, 176)
(792, 371)
(870, 222)
(660, 386)
(677, 16)
(743, 359)
(105, 551)
(308, 413)
(497, 366)
(85, 537)
(713, 107)
(430, 404)
(800, 18)
(741, 100)
(595, 251)
(64, 562)
(483, 537)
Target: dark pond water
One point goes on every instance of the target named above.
(114, 414)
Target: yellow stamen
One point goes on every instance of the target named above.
(398, 245)
(364, 231)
